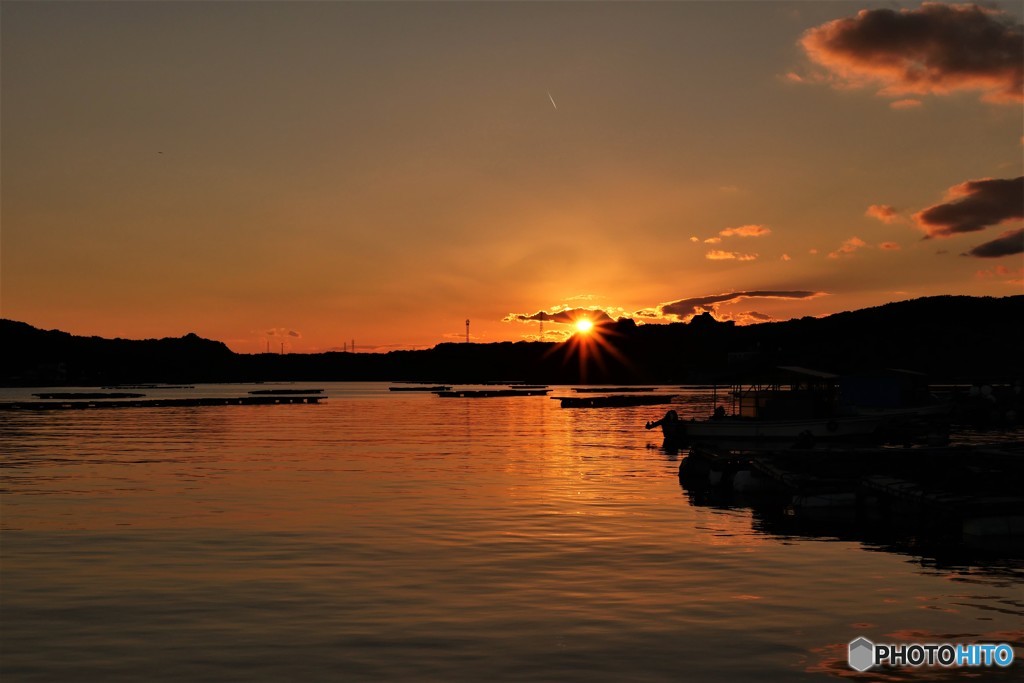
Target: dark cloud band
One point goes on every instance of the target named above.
(933, 49)
(568, 316)
(684, 308)
(1007, 244)
(974, 205)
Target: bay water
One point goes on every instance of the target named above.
(399, 536)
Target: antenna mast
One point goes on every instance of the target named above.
(467, 330)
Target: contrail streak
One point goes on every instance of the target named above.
(552, 101)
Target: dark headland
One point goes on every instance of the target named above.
(952, 339)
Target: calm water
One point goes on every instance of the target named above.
(386, 536)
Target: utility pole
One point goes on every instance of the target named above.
(467, 330)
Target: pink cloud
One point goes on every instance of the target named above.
(1013, 276)
(883, 212)
(746, 231)
(719, 255)
(848, 247)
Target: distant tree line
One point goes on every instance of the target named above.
(952, 339)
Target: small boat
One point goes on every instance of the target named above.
(801, 413)
(491, 393)
(614, 401)
(88, 395)
(743, 429)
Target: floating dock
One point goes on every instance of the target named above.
(159, 403)
(611, 390)
(492, 393)
(431, 389)
(74, 395)
(612, 401)
(285, 392)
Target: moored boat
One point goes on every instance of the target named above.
(735, 428)
(796, 405)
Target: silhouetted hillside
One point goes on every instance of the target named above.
(40, 357)
(950, 338)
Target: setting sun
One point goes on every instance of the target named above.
(584, 325)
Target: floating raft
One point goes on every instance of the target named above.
(433, 389)
(611, 390)
(89, 394)
(492, 393)
(159, 403)
(149, 386)
(612, 401)
(285, 392)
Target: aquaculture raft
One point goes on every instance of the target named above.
(159, 403)
(285, 392)
(433, 389)
(613, 401)
(492, 393)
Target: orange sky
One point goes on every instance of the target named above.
(313, 173)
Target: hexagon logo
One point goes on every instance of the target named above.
(862, 654)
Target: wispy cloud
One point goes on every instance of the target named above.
(883, 212)
(905, 104)
(889, 246)
(1013, 276)
(848, 247)
(751, 317)
(282, 333)
(974, 205)
(686, 308)
(933, 49)
(564, 315)
(720, 255)
(746, 231)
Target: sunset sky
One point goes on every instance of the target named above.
(310, 173)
